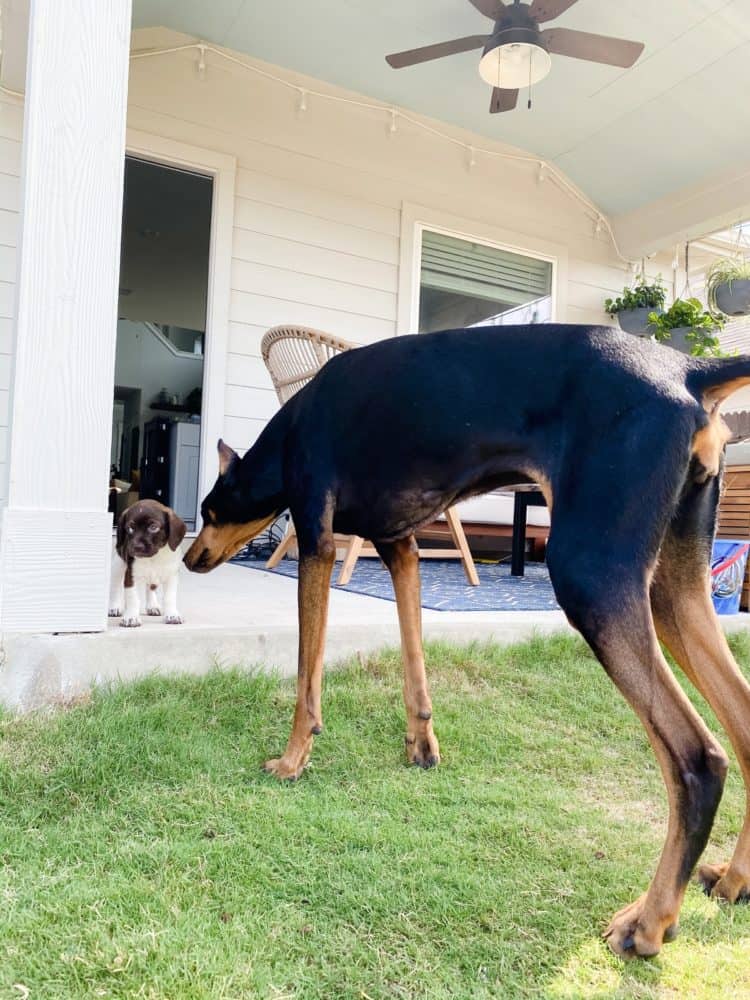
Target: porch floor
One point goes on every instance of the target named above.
(237, 617)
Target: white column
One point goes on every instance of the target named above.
(56, 532)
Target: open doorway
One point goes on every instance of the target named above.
(161, 337)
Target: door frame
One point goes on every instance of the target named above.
(222, 168)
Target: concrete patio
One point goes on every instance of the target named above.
(237, 617)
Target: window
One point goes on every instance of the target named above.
(465, 283)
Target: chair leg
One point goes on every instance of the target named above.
(283, 547)
(353, 550)
(459, 538)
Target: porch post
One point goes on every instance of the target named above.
(56, 532)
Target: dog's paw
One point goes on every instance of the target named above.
(154, 612)
(114, 612)
(631, 935)
(721, 882)
(422, 749)
(286, 768)
(173, 619)
(130, 623)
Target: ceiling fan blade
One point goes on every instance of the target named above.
(490, 8)
(593, 48)
(413, 56)
(548, 10)
(502, 100)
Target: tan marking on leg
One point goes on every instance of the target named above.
(313, 590)
(421, 743)
(709, 442)
(684, 748)
(687, 624)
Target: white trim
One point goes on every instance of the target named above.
(222, 168)
(416, 218)
(166, 343)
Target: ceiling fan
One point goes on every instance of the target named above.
(517, 53)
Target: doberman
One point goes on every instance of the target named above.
(625, 439)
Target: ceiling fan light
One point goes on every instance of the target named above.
(513, 65)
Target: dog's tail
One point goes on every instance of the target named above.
(711, 380)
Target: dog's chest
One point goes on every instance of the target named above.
(157, 569)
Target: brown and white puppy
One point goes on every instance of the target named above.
(147, 555)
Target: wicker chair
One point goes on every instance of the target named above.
(293, 355)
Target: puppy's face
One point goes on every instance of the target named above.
(146, 527)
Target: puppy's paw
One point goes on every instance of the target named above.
(130, 623)
(154, 612)
(114, 612)
(173, 619)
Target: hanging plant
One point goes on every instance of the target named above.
(728, 286)
(636, 304)
(688, 327)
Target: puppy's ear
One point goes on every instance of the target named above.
(122, 538)
(227, 457)
(176, 529)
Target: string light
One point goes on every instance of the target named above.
(202, 62)
(393, 127)
(546, 170)
(598, 226)
(541, 177)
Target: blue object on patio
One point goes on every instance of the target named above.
(444, 586)
(727, 573)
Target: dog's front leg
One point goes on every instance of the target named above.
(313, 588)
(131, 616)
(402, 560)
(152, 600)
(171, 614)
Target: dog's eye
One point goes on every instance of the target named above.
(131, 529)
(153, 528)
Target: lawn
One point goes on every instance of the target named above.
(143, 853)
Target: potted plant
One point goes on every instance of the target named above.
(728, 286)
(635, 305)
(687, 327)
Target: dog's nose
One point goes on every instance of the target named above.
(196, 565)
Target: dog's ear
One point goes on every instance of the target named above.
(227, 457)
(176, 529)
(122, 537)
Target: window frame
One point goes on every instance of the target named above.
(415, 219)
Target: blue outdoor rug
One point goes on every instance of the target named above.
(444, 586)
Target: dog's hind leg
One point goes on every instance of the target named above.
(317, 553)
(604, 591)
(687, 624)
(402, 560)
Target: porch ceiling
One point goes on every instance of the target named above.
(627, 137)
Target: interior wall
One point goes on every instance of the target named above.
(165, 246)
(144, 362)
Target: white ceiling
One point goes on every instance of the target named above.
(627, 137)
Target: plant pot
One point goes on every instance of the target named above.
(678, 339)
(734, 299)
(635, 321)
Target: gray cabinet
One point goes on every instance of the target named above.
(184, 456)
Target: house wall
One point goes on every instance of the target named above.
(319, 202)
(318, 210)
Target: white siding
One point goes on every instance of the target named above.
(318, 212)
(11, 129)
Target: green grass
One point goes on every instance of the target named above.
(144, 854)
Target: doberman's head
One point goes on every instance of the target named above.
(229, 517)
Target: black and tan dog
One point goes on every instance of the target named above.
(626, 441)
